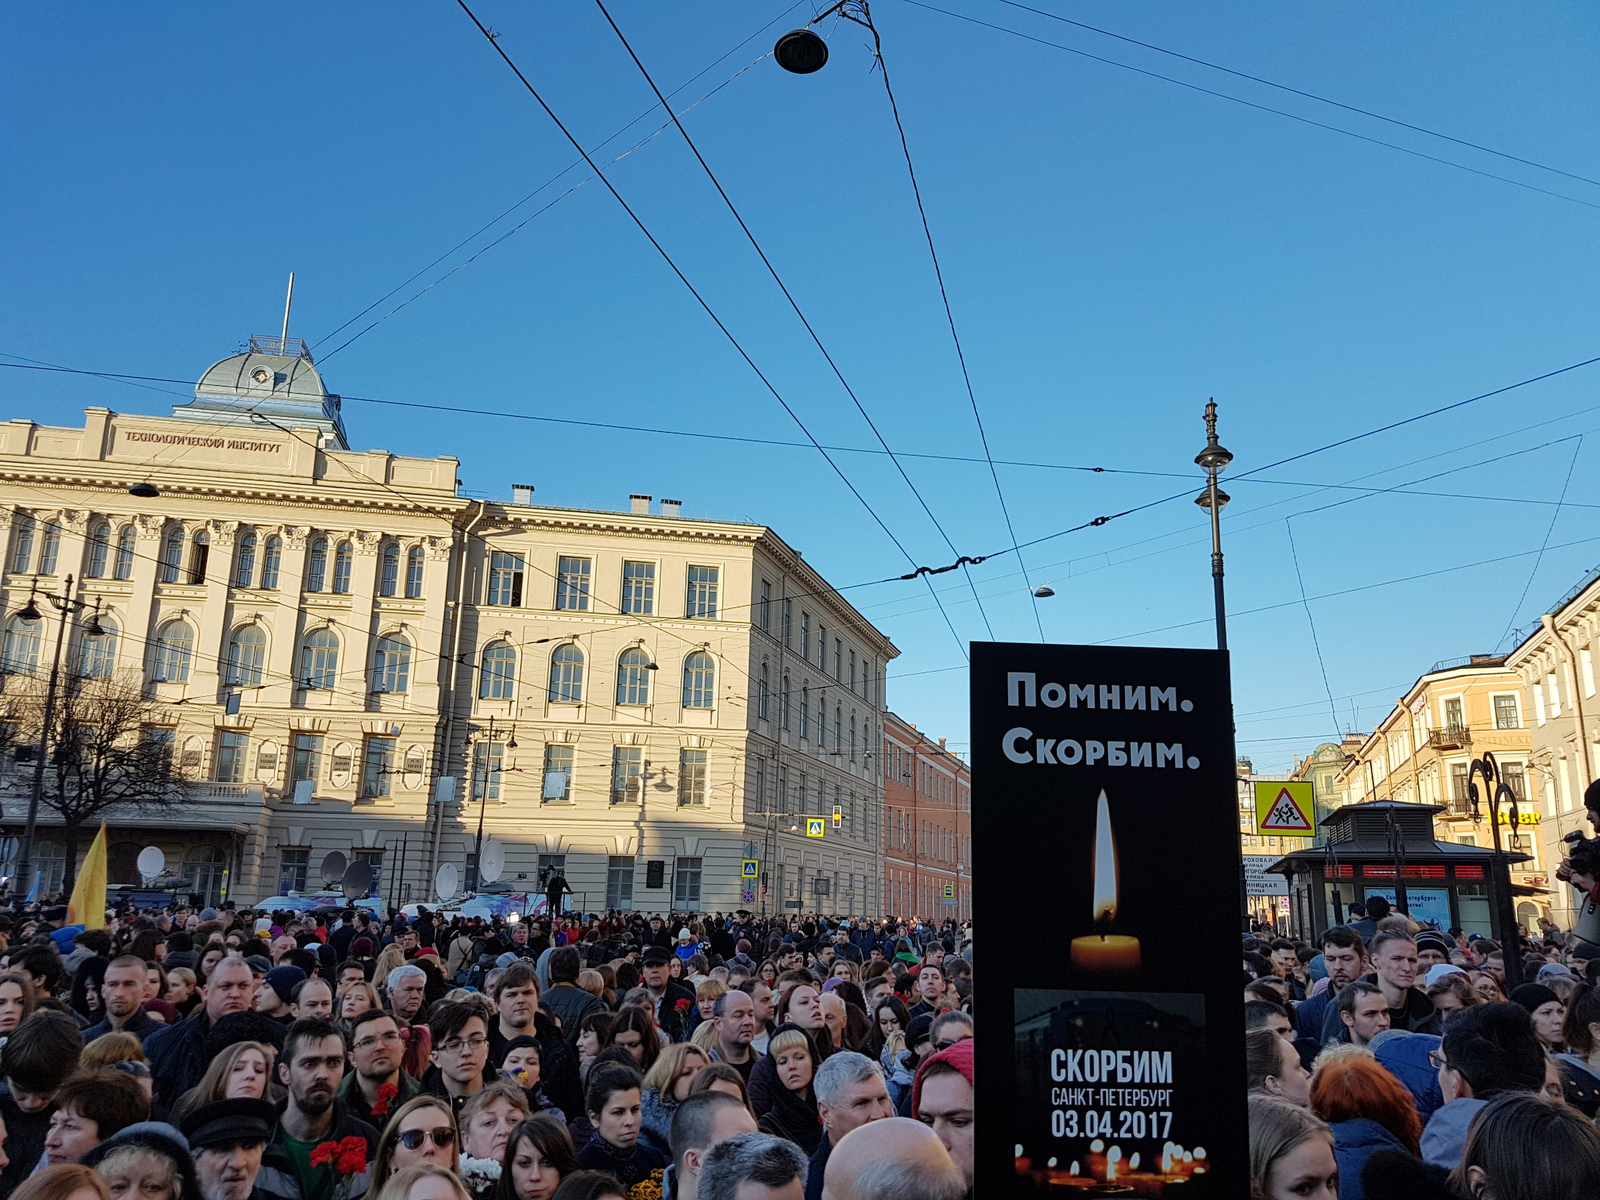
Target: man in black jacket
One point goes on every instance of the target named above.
(122, 998)
(311, 1068)
(569, 1002)
(673, 1002)
(177, 1054)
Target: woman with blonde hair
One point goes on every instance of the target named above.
(1291, 1153)
(423, 1183)
(69, 1181)
(422, 1132)
(243, 1071)
(666, 1085)
(705, 998)
(357, 999)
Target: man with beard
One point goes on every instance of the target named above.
(311, 1067)
(228, 1139)
(376, 1048)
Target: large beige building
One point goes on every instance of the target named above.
(1556, 667)
(346, 654)
(1422, 753)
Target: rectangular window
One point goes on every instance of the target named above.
(627, 771)
(701, 601)
(271, 562)
(692, 777)
(686, 885)
(1453, 716)
(838, 659)
(374, 861)
(1516, 781)
(822, 645)
(294, 866)
(761, 785)
(787, 631)
(763, 694)
(852, 670)
(639, 587)
(505, 579)
(377, 767)
(557, 787)
(305, 757)
(805, 635)
(230, 757)
(549, 864)
(1459, 778)
(1555, 694)
(619, 883)
(487, 758)
(572, 583)
(764, 606)
(1505, 712)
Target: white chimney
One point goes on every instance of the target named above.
(641, 505)
(522, 493)
(671, 508)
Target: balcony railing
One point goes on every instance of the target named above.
(1456, 737)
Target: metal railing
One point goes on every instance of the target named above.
(1456, 737)
(261, 343)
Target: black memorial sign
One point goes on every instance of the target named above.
(1107, 839)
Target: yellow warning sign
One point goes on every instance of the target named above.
(1285, 809)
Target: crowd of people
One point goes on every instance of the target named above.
(1389, 1061)
(238, 1055)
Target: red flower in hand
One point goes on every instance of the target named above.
(352, 1156)
(681, 1005)
(324, 1154)
(386, 1095)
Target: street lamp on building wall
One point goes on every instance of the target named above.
(68, 606)
(1499, 792)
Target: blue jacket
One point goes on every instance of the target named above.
(1405, 1056)
(1309, 1015)
(1354, 1142)
(1445, 1135)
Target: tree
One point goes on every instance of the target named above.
(105, 754)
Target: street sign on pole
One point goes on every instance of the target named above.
(747, 897)
(1258, 882)
(1285, 809)
(750, 868)
(816, 827)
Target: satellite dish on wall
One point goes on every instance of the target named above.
(333, 867)
(492, 863)
(445, 882)
(357, 880)
(152, 862)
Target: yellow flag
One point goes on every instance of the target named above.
(88, 904)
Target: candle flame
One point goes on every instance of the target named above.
(1105, 867)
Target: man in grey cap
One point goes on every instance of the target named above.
(227, 1139)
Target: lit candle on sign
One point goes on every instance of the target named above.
(1105, 951)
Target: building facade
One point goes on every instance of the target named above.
(927, 825)
(1422, 753)
(1555, 665)
(346, 655)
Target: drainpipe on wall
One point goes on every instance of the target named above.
(441, 757)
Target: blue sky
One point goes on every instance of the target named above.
(1117, 248)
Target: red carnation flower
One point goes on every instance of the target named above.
(386, 1095)
(324, 1154)
(682, 1004)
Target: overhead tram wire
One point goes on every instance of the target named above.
(1549, 529)
(944, 296)
(710, 312)
(517, 228)
(1294, 91)
(794, 304)
(1266, 108)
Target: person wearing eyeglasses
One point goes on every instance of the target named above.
(376, 1047)
(460, 1052)
(423, 1133)
(311, 1067)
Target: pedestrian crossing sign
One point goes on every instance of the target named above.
(750, 868)
(1285, 809)
(815, 827)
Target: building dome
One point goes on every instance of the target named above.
(273, 382)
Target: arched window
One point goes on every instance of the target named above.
(22, 545)
(317, 567)
(50, 863)
(97, 656)
(699, 680)
(389, 573)
(124, 567)
(633, 677)
(566, 674)
(174, 648)
(22, 646)
(341, 568)
(414, 573)
(99, 551)
(247, 654)
(319, 659)
(206, 868)
(805, 710)
(499, 674)
(391, 665)
(172, 556)
(244, 562)
(199, 554)
(50, 549)
(271, 562)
